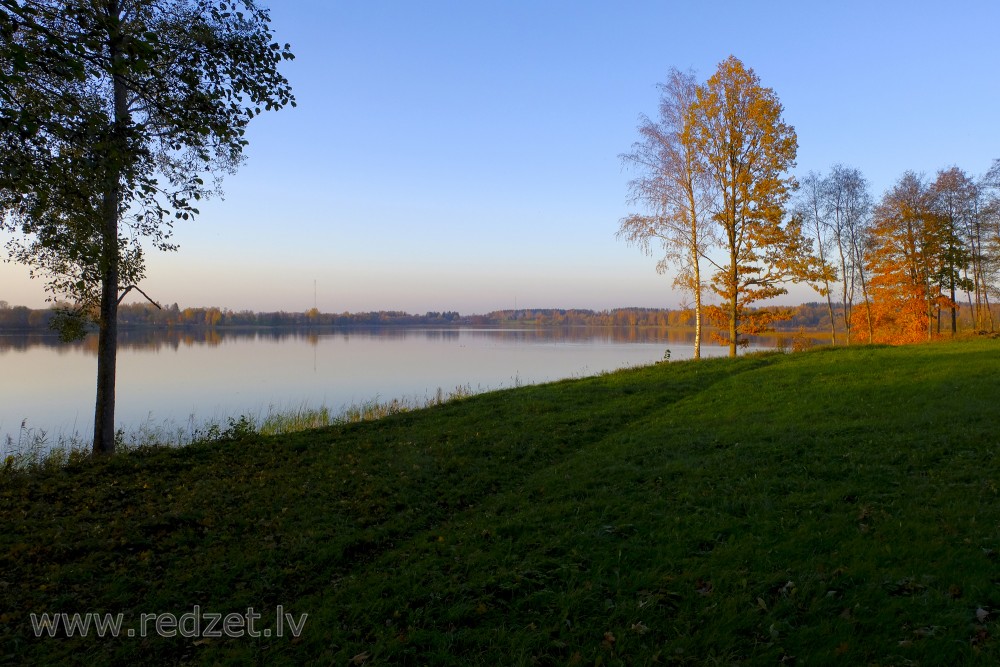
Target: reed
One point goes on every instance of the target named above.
(34, 447)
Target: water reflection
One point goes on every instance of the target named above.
(172, 339)
(178, 376)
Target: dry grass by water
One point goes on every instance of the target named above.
(35, 448)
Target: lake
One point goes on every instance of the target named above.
(183, 379)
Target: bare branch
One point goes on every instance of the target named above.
(139, 290)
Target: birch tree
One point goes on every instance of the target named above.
(673, 190)
(811, 209)
(849, 203)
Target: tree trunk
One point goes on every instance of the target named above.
(107, 341)
(733, 325)
(868, 319)
(697, 303)
(844, 289)
(864, 292)
(697, 326)
(734, 288)
(822, 259)
(954, 310)
(973, 310)
(930, 314)
(833, 321)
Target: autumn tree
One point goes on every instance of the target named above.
(672, 188)
(112, 114)
(905, 261)
(747, 150)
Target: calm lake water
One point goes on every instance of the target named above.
(182, 379)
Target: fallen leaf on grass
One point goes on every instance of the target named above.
(640, 627)
(927, 631)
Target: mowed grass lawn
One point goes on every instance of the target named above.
(837, 506)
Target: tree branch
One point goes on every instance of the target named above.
(137, 289)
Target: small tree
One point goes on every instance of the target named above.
(849, 204)
(811, 209)
(111, 115)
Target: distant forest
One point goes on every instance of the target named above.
(808, 316)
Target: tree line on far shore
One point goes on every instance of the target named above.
(813, 316)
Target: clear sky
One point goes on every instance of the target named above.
(464, 155)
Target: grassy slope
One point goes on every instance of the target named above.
(835, 506)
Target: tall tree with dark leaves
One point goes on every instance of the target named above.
(113, 114)
(953, 199)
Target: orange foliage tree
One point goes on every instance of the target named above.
(908, 240)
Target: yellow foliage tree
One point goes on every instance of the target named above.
(747, 149)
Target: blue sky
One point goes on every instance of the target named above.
(463, 155)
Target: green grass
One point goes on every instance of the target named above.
(834, 506)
